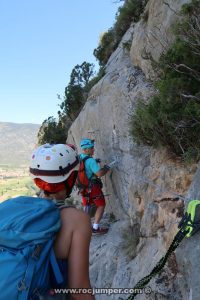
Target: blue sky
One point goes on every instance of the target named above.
(41, 42)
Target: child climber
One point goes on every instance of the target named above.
(93, 193)
(43, 246)
(52, 170)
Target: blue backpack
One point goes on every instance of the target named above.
(28, 227)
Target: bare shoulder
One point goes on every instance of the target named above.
(71, 212)
(74, 217)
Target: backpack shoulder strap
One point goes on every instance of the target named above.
(69, 183)
(85, 158)
(54, 264)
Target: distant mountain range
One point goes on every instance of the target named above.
(17, 141)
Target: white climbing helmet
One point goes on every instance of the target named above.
(53, 163)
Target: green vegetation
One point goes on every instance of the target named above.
(11, 187)
(52, 131)
(172, 116)
(131, 238)
(83, 77)
(128, 13)
(15, 181)
(112, 218)
(77, 90)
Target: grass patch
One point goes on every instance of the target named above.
(131, 238)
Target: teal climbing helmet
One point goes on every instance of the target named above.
(87, 143)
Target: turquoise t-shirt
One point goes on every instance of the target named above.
(91, 166)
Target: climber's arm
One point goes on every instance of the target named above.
(72, 244)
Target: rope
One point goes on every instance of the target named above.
(144, 281)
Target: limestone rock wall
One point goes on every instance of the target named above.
(154, 33)
(143, 189)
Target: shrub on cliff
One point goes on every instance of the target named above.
(172, 116)
(128, 13)
(52, 131)
(82, 79)
(76, 90)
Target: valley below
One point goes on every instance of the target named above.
(15, 181)
(17, 143)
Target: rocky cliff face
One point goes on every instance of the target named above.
(154, 33)
(143, 189)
